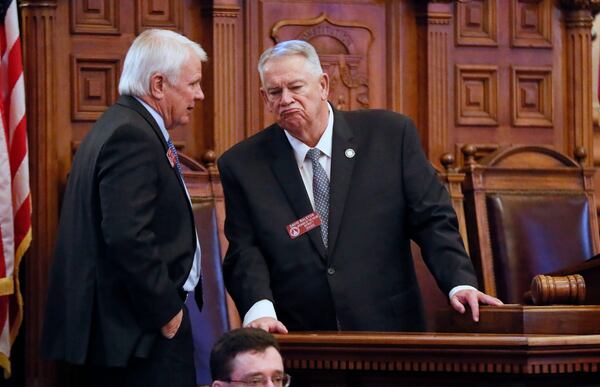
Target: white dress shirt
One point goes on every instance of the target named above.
(194, 276)
(265, 308)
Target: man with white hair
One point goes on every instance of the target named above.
(321, 207)
(127, 252)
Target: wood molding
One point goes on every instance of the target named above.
(385, 353)
(94, 81)
(38, 25)
(228, 71)
(531, 23)
(159, 14)
(438, 40)
(95, 17)
(532, 96)
(579, 123)
(476, 23)
(476, 98)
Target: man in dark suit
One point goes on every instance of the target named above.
(321, 207)
(127, 252)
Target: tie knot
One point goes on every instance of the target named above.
(313, 155)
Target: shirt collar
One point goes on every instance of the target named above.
(157, 117)
(324, 144)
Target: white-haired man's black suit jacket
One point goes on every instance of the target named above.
(383, 196)
(125, 245)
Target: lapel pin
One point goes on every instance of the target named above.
(350, 153)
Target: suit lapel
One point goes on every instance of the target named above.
(342, 166)
(134, 104)
(286, 172)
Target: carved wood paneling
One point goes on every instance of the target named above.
(531, 96)
(227, 76)
(476, 23)
(38, 22)
(95, 17)
(531, 23)
(476, 96)
(578, 86)
(93, 86)
(159, 14)
(436, 21)
(382, 358)
(343, 49)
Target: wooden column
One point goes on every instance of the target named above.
(579, 121)
(228, 68)
(37, 28)
(435, 32)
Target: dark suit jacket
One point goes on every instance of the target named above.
(125, 245)
(385, 195)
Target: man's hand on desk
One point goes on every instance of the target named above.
(473, 298)
(268, 324)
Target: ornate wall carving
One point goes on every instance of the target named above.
(476, 23)
(159, 14)
(531, 23)
(344, 52)
(476, 95)
(531, 96)
(95, 17)
(94, 83)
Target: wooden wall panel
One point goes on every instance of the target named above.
(531, 23)
(95, 17)
(531, 96)
(94, 83)
(525, 93)
(476, 23)
(476, 95)
(228, 71)
(158, 14)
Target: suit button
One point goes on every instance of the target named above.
(331, 271)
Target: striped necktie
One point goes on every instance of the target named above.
(320, 191)
(174, 151)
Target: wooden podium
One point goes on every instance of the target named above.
(441, 359)
(511, 345)
(532, 346)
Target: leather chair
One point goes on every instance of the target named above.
(529, 210)
(218, 314)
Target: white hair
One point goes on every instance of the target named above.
(290, 48)
(156, 51)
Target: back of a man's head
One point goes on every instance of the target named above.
(235, 342)
(156, 51)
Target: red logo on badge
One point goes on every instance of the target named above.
(303, 225)
(172, 158)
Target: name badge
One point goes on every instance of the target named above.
(171, 157)
(303, 225)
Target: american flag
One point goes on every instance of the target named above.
(15, 197)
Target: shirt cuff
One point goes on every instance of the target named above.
(262, 308)
(457, 289)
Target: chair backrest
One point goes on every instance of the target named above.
(218, 313)
(529, 210)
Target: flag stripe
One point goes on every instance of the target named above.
(15, 197)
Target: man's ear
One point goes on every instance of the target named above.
(324, 82)
(217, 383)
(157, 85)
